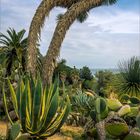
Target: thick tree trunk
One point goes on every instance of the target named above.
(59, 34)
(35, 29)
(34, 33)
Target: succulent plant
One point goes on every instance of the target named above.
(125, 97)
(101, 108)
(133, 135)
(39, 110)
(134, 112)
(135, 100)
(124, 110)
(114, 104)
(116, 127)
(100, 105)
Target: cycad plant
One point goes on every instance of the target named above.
(129, 79)
(40, 112)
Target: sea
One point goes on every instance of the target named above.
(113, 70)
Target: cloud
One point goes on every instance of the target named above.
(114, 21)
(99, 50)
(109, 34)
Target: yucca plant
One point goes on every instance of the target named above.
(39, 110)
(129, 79)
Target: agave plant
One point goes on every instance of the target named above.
(129, 78)
(82, 101)
(38, 109)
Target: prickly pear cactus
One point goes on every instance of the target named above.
(133, 135)
(114, 104)
(116, 127)
(124, 110)
(101, 109)
(100, 105)
(134, 112)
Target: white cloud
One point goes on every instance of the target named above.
(107, 36)
(115, 21)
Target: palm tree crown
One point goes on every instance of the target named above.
(13, 49)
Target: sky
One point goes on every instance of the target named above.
(109, 35)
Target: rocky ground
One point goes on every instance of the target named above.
(66, 132)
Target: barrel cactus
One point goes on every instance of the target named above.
(39, 110)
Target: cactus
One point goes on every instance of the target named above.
(114, 104)
(125, 97)
(39, 110)
(101, 108)
(133, 135)
(135, 100)
(134, 112)
(100, 105)
(124, 110)
(117, 128)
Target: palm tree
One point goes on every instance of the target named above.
(63, 25)
(13, 50)
(35, 28)
(128, 82)
(38, 21)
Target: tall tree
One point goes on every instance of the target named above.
(13, 50)
(38, 21)
(85, 73)
(62, 27)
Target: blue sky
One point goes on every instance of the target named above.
(110, 34)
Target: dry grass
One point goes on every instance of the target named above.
(59, 137)
(68, 133)
(3, 130)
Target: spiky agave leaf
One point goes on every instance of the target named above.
(40, 112)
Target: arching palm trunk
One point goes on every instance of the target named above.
(35, 29)
(59, 34)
